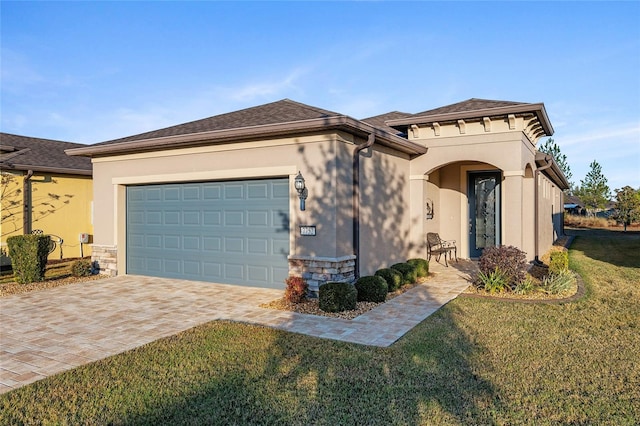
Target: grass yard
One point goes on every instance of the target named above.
(476, 361)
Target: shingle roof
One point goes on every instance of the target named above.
(379, 121)
(472, 104)
(27, 153)
(282, 111)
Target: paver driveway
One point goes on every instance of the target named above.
(49, 331)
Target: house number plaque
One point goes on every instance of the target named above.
(308, 230)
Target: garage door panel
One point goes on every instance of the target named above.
(191, 243)
(234, 191)
(191, 193)
(212, 244)
(234, 245)
(228, 232)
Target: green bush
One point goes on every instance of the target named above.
(392, 277)
(422, 266)
(28, 255)
(557, 283)
(559, 262)
(296, 290)
(493, 282)
(511, 261)
(81, 268)
(337, 297)
(372, 289)
(408, 271)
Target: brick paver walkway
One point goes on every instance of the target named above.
(50, 331)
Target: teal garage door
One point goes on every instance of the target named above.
(234, 232)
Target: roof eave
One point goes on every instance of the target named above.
(44, 169)
(537, 109)
(554, 172)
(243, 133)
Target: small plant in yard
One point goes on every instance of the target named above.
(81, 268)
(526, 286)
(559, 282)
(337, 297)
(422, 266)
(559, 262)
(296, 290)
(408, 271)
(392, 277)
(511, 261)
(371, 289)
(28, 257)
(493, 282)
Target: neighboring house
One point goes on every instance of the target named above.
(215, 199)
(45, 189)
(574, 205)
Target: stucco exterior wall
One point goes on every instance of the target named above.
(61, 205)
(324, 161)
(441, 176)
(550, 210)
(384, 209)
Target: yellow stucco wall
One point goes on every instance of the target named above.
(61, 206)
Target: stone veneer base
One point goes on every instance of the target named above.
(106, 258)
(320, 270)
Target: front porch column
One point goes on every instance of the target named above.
(417, 189)
(513, 208)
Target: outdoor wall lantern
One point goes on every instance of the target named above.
(301, 188)
(429, 209)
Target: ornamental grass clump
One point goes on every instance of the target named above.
(422, 266)
(493, 282)
(559, 282)
(392, 277)
(372, 289)
(337, 297)
(296, 289)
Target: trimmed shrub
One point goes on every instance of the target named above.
(81, 268)
(511, 261)
(296, 290)
(392, 277)
(337, 297)
(559, 262)
(28, 255)
(493, 282)
(372, 289)
(422, 266)
(408, 271)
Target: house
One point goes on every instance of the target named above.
(43, 189)
(252, 196)
(574, 205)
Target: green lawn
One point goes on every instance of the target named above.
(476, 361)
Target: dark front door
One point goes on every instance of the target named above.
(484, 211)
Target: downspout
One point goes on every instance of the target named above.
(356, 199)
(26, 203)
(549, 162)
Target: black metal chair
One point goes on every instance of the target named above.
(438, 246)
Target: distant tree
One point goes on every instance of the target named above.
(593, 190)
(627, 205)
(552, 148)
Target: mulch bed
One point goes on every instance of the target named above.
(8, 289)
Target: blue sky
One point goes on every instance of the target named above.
(92, 71)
